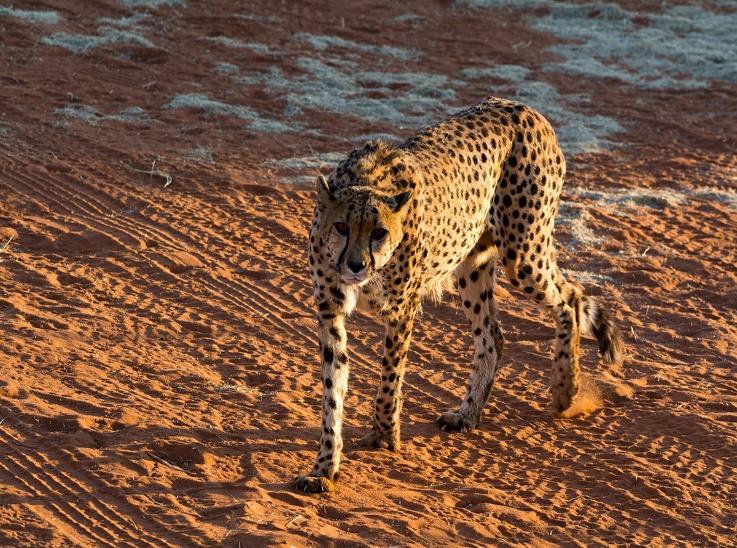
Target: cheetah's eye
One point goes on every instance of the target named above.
(379, 234)
(342, 229)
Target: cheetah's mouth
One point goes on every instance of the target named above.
(356, 279)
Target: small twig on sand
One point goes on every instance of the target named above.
(6, 244)
(168, 179)
(164, 461)
(295, 518)
(521, 45)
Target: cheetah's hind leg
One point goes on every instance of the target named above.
(476, 277)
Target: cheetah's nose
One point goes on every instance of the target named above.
(356, 266)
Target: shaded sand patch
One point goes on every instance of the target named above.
(31, 16)
(133, 21)
(683, 46)
(202, 102)
(199, 153)
(90, 115)
(84, 43)
(407, 99)
(153, 3)
(307, 167)
(576, 219)
(237, 44)
(665, 49)
(577, 131)
(322, 43)
(227, 68)
(339, 80)
(318, 161)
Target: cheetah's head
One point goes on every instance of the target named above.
(360, 227)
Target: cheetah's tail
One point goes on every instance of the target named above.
(594, 320)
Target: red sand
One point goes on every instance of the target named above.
(160, 372)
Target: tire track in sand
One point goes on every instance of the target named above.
(85, 502)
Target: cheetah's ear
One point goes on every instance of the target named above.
(323, 188)
(400, 201)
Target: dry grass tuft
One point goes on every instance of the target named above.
(168, 179)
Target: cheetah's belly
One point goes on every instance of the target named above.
(451, 245)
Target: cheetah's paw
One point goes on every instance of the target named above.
(451, 421)
(381, 440)
(314, 484)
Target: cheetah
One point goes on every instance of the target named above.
(394, 222)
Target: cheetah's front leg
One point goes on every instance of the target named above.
(335, 384)
(388, 403)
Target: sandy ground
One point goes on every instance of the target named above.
(160, 380)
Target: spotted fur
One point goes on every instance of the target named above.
(393, 223)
